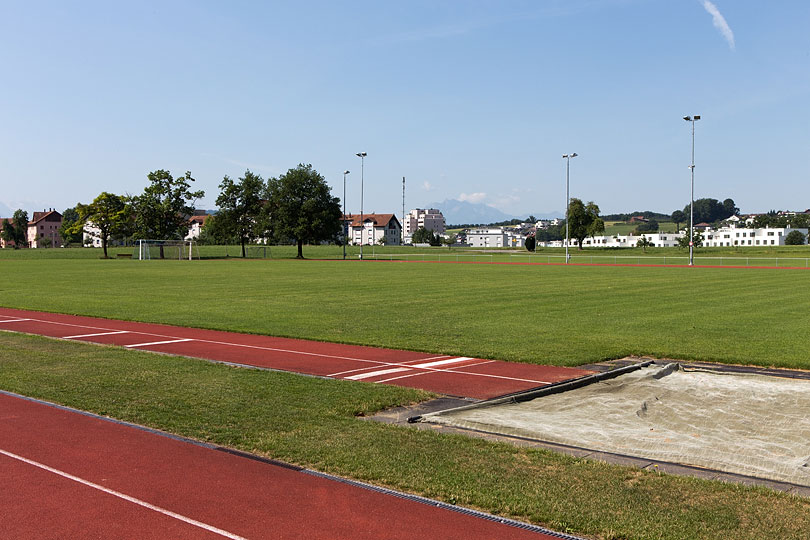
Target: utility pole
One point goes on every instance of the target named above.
(402, 231)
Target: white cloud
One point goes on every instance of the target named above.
(427, 186)
(720, 22)
(474, 198)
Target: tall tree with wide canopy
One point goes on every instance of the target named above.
(240, 208)
(16, 230)
(584, 220)
(678, 217)
(163, 209)
(69, 218)
(108, 212)
(301, 207)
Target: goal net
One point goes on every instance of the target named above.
(168, 249)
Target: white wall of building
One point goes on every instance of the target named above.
(431, 219)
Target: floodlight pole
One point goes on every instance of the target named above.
(567, 158)
(362, 156)
(343, 221)
(692, 119)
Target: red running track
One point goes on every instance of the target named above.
(450, 375)
(68, 474)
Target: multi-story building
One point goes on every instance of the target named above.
(495, 238)
(373, 229)
(43, 229)
(431, 219)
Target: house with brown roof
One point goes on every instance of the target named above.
(195, 225)
(43, 229)
(373, 228)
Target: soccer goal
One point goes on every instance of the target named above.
(168, 249)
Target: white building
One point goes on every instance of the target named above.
(495, 238)
(431, 219)
(629, 240)
(195, 225)
(733, 236)
(373, 228)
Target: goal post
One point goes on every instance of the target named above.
(167, 249)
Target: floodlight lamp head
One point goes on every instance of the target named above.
(361, 154)
(565, 156)
(697, 117)
(346, 172)
(574, 154)
(687, 118)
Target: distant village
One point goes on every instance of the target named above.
(44, 230)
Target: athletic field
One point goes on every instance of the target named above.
(530, 313)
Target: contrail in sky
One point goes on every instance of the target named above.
(720, 22)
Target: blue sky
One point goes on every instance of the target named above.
(468, 100)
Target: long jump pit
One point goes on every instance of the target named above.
(753, 424)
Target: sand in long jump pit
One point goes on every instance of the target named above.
(750, 424)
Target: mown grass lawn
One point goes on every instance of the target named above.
(562, 315)
(312, 422)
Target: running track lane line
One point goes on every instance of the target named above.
(120, 495)
(174, 339)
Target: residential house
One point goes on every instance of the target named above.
(43, 229)
(195, 225)
(372, 229)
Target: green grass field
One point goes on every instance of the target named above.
(565, 315)
(542, 314)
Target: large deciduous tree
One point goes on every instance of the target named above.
(69, 218)
(678, 217)
(16, 230)
(163, 209)
(240, 208)
(302, 208)
(794, 238)
(584, 220)
(108, 213)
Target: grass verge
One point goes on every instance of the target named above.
(311, 422)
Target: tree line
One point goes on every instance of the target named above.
(295, 207)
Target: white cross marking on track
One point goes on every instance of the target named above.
(14, 320)
(128, 498)
(362, 376)
(382, 363)
(159, 342)
(97, 334)
(416, 374)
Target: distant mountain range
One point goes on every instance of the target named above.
(457, 212)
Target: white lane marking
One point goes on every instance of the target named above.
(428, 372)
(443, 362)
(14, 320)
(382, 363)
(97, 334)
(375, 373)
(120, 495)
(159, 342)
(302, 353)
